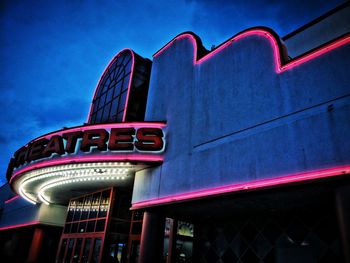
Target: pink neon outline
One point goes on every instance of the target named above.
(136, 125)
(96, 158)
(258, 184)
(84, 159)
(20, 225)
(104, 73)
(264, 33)
(12, 199)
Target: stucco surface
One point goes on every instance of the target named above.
(233, 119)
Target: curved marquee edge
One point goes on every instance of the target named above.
(282, 63)
(90, 159)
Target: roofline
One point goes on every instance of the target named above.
(317, 20)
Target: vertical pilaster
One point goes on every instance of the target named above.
(172, 241)
(152, 238)
(35, 247)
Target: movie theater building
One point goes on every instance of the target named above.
(236, 154)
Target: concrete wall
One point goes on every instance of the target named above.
(234, 119)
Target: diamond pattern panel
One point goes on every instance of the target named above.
(271, 238)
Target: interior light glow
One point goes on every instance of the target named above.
(58, 182)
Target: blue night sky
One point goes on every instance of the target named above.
(53, 52)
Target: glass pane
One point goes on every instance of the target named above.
(122, 101)
(74, 228)
(128, 64)
(95, 202)
(121, 251)
(185, 229)
(77, 214)
(94, 107)
(137, 228)
(120, 74)
(121, 207)
(111, 70)
(82, 227)
(96, 252)
(98, 104)
(118, 88)
(96, 199)
(87, 202)
(126, 83)
(62, 250)
(106, 83)
(137, 215)
(103, 211)
(105, 114)
(93, 212)
(118, 252)
(119, 226)
(113, 118)
(120, 116)
(109, 95)
(115, 81)
(100, 225)
(85, 257)
(70, 214)
(135, 251)
(77, 249)
(102, 100)
(104, 203)
(69, 250)
(79, 208)
(93, 118)
(105, 197)
(98, 116)
(91, 226)
(114, 107)
(67, 228)
(85, 212)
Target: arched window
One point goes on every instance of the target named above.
(121, 93)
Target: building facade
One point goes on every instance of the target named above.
(238, 154)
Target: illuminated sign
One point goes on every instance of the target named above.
(93, 140)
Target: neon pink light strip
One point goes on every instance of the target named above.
(283, 180)
(20, 225)
(264, 33)
(104, 73)
(85, 159)
(136, 125)
(12, 199)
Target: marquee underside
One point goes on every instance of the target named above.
(58, 184)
